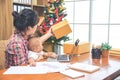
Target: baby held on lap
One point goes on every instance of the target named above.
(36, 52)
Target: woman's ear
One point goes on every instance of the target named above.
(29, 28)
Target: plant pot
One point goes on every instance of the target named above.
(105, 57)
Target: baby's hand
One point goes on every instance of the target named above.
(33, 64)
(40, 57)
(52, 55)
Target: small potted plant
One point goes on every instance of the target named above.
(105, 47)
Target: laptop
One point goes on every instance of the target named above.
(65, 58)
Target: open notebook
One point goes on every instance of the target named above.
(84, 67)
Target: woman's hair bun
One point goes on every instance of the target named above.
(15, 14)
(25, 18)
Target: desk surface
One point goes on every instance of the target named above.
(105, 72)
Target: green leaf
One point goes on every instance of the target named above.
(105, 46)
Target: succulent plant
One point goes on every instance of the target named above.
(105, 46)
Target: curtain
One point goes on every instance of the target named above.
(6, 21)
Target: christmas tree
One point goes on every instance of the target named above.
(54, 12)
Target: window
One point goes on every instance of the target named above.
(103, 24)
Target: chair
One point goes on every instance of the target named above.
(3, 44)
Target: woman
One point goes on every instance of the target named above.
(25, 24)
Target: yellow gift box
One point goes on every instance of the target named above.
(61, 29)
(70, 48)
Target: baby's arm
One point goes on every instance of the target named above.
(40, 57)
(50, 54)
(32, 61)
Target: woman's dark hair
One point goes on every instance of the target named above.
(25, 18)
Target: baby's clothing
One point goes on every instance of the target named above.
(34, 55)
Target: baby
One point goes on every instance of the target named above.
(36, 52)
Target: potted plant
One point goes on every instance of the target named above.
(105, 47)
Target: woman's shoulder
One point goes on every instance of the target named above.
(17, 38)
(15, 41)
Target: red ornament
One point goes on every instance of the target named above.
(42, 30)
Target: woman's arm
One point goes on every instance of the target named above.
(46, 36)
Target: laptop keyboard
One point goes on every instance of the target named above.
(59, 58)
(63, 57)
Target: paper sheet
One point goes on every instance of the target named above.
(25, 70)
(41, 68)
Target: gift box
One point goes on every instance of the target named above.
(61, 29)
(70, 48)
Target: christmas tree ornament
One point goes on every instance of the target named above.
(50, 11)
(61, 8)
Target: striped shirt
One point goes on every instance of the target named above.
(16, 51)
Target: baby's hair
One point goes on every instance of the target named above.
(25, 18)
(33, 43)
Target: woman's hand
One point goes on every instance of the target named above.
(46, 36)
(50, 32)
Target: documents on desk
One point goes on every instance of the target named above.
(77, 69)
(48, 67)
(41, 68)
